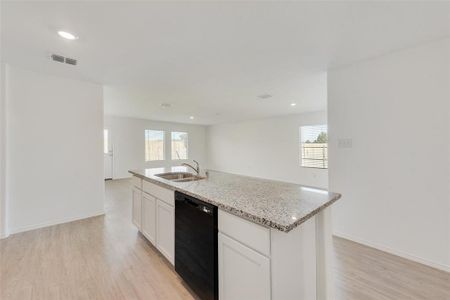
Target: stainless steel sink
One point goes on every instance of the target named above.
(175, 175)
(193, 178)
(179, 176)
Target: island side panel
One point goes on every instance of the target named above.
(324, 255)
(293, 262)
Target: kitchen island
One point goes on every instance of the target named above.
(274, 237)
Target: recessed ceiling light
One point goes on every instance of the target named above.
(67, 35)
(293, 104)
(191, 117)
(166, 105)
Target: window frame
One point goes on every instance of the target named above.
(324, 150)
(163, 145)
(172, 148)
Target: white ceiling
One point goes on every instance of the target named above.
(212, 59)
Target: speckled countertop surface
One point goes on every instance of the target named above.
(274, 204)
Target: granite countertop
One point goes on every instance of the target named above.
(273, 204)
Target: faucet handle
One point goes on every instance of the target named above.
(197, 166)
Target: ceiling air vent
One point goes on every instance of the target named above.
(62, 59)
(71, 61)
(264, 96)
(58, 58)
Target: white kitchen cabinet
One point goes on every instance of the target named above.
(260, 263)
(243, 273)
(153, 214)
(136, 196)
(148, 224)
(136, 182)
(165, 229)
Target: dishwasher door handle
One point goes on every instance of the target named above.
(202, 208)
(196, 204)
(190, 202)
(207, 210)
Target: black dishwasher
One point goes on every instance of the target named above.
(196, 245)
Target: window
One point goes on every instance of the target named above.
(105, 141)
(154, 145)
(314, 146)
(179, 145)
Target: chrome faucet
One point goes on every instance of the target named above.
(196, 169)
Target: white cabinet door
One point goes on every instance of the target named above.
(165, 229)
(149, 217)
(243, 273)
(136, 195)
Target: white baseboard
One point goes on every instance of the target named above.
(390, 250)
(54, 222)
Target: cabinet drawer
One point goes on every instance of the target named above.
(254, 236)
(137, 182)
(166, 195)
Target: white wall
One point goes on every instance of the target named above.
(3, 229)
(127, 136)
(266, 148)
(395, 179)
(54, 149)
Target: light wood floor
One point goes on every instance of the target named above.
(105, 258)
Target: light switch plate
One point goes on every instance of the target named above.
(345, 143)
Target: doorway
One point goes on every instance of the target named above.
(107, 155)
